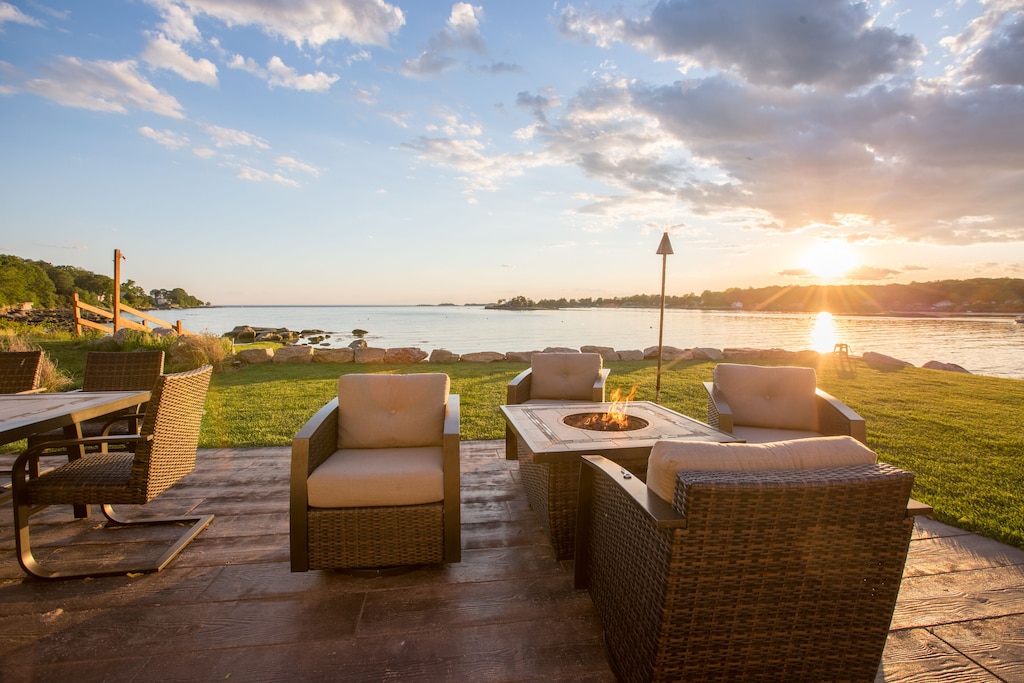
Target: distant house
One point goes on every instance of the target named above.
(737, 304)
(943, 305)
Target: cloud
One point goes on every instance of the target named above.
(178, 24)
(228, 137)
(11, 14)
(167, 138)
(102, 86)
(164, 53)
(871, 274)
(992, 46)
(257, 176)
(461, 32)
(823, 43)
(306, 22)
(295, 165)
(278, 74)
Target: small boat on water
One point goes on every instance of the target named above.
(1019, 320)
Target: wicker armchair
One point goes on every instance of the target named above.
(19, 371)
(788, 575)
(114, 371)
(375, 477)
(558, 377)
(762, 404)
(164, 452)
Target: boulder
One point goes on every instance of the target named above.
(243, 334)
(520, 356)
(358, 344)
(743, 354)
(705, 353)
(345, 355)
(405, 354)
(483, 357)
(164, 332)
(880, 361)
(607, 352)
(560, 349)
(368, 354)
(294, 354)
(443, 356)
(948, 367)
(254, 356)
(631, 354)
(806, 358)
(778, 354)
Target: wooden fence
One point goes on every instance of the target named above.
(117, 319)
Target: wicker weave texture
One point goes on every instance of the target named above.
(19, 371)
(166, 452)
(122, 371)
(791, 577)
(376, 536)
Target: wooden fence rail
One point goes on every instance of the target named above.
(117, 319)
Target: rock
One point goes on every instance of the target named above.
(359, 333)
(310, 333)
(806, 358)
(778, 354)
(243, 334)
(406, 354)
(164, 332)
(705, 353)
(520, 356)
(443, 356)
(949, 367)
(560, 349)
(607, 352)
(367, 354)
(294, 354)
(632, 354)
(879, 361)
(743, 354)
(482, 357)
(254, 356)
(345, 355)
(358, 344)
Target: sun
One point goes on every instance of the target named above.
(830, 259)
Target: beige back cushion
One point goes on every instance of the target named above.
(564, 376)
(669, 457)
(777, 398)
(391, 411)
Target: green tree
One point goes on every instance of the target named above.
(22, 280)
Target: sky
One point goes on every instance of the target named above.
(398, 152)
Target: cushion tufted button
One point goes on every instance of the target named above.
(767, 397)
(394, 411)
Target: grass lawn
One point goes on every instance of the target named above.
(961, 435)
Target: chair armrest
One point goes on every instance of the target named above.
(602, 377)
(653, 510)
(518, 390)
(836, 418)
(452, 482)
(316, 440)
(37, 390)
(719, 412)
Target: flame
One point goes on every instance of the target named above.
(616, 412)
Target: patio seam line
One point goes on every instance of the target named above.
(954, 648)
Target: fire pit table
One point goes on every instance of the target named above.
(551, 437)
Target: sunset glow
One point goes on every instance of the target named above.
(831, 259)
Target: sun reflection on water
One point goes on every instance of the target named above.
(823, 334)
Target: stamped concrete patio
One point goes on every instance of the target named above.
(229, 608)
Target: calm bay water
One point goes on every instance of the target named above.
(984, 345)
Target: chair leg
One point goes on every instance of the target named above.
(31, 566)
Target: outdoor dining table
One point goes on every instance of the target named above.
(22, 415)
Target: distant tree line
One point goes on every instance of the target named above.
(979, 295)
(48, 286)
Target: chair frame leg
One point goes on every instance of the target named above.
(28, 562)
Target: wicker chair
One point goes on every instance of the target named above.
(785, 575)
(114, 371)
(375, 477)
(164, 452)
(557, 377)
(19, 371)
(762, 404)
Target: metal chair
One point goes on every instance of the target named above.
(19, 372)
(164, 452)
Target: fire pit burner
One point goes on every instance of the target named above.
(605, 422)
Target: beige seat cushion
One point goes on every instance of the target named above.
(391, 411)
(765, 435)
(772, 397)
(564, 376)
(360, 477)
(670, 457)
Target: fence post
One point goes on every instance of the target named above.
(78, 314)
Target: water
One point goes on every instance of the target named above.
(983, 345)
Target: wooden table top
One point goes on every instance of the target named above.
(22, 415)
